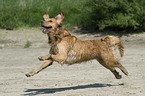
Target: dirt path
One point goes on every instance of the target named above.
(86, 79)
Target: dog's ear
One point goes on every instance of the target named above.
(46, 17)
(60, 18)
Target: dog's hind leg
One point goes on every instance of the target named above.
(122, 69)
(44, 65)
(111, 68)
(116, 74)
(118, 65)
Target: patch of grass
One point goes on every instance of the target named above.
(28, 44)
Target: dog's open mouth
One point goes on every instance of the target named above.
(46, 29)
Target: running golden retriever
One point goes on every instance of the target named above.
(68, 49)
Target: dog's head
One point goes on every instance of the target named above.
(51, 24)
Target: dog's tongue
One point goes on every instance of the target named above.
(45, 30)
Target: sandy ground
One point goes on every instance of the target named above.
(86, 79)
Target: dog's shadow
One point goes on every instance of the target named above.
(33, 92)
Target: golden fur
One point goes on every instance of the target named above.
(68, 49)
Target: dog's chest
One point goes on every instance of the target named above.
(72, 57)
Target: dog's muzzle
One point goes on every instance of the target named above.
(45, 29)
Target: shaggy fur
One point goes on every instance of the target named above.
(68, 49)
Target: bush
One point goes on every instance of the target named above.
(118, 14)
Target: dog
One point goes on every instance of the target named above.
(68, 49)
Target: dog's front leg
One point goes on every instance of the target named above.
(44, 65)
(60, 58)
(46, 57)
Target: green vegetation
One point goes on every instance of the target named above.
(23, 13)
(28, 44)
(118, 14)
(100, 14)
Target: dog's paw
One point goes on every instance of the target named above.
(29, 74)
(41, 58)
(118, 77)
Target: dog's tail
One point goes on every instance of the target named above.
(115, 43)
(121, 48)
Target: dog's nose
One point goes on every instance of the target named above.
(41, 23)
